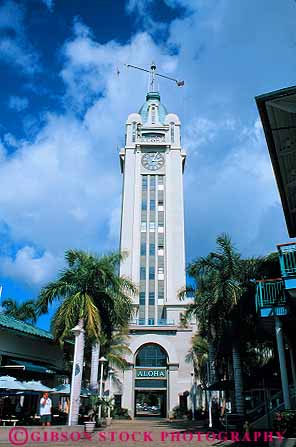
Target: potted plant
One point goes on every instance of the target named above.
(107, 407)
(92, 414)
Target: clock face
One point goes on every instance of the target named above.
(153, 161)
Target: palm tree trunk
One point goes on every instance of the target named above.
(77, 373)
(95, 355)
(238, 380)
(212, 369)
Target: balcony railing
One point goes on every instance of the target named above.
(152, 322)
(270, 295)
(287, 255)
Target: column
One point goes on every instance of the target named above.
(282, 360)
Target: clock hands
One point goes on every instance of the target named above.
(153, 160)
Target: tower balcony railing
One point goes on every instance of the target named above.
(287, 255)
(270, 297)
(152, 322)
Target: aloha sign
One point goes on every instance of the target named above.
(151, 373)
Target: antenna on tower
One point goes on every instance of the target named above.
(153, 73)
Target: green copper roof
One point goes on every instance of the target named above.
(19, 326)
(153, 97)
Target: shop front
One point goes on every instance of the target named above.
(151, 382)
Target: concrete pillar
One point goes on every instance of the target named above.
(128, 394)
(76, 374)
(95, 355)
(173, 395)
(292, 364)
(282, 360)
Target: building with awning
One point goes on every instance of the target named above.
(278, 116)
(29, 353)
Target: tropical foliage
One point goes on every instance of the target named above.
(223, 305)
(198, 356)
(92, 295)
(25, 311)
(89, 289)
(115, 349)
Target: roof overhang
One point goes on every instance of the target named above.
(278, 116)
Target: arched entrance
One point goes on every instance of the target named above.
(151, 381)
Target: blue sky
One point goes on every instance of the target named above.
(63, 110)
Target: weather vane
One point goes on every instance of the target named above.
(153, 74)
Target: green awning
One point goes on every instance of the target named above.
(29, 366)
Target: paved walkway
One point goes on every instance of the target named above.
(142, 432)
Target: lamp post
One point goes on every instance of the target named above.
(111, 372)
(102, 361)
(192, 395)
(78, 331)
(209, 397)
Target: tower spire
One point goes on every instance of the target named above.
(152, 78)
(153, 84)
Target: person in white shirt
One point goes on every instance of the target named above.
(45, 409)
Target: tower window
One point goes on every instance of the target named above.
(144, 204)
(151, 273)
(160, 227)
(152, 205)
(134, 131)
(161, 295)
(153, 114)
(144, 182)
(142, 298)
(172, 132)
(151, 298)
(152, 249)
(142, 273)
(152, 226)
(152, 182)
(143, 248)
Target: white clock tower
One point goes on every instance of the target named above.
(152, 235)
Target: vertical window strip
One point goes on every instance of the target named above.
(153, 114)
(172, 132)
(134, 131)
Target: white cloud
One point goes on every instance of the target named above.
(49, 4)
(30, 268)
(10, 140)
(15, 49)
(66, 182)
(18, 103)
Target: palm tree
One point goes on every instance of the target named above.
(224, 308)
(92, 296)
(198, 356)
(113, 298)
(218, 293)
(115, 349)
(25, 311)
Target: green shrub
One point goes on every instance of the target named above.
(285, 421)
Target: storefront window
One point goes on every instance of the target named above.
(151, 356)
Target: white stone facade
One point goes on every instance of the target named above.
(152, 235)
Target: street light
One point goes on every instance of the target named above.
(111, 372)
(192, 395)
(102, 360)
